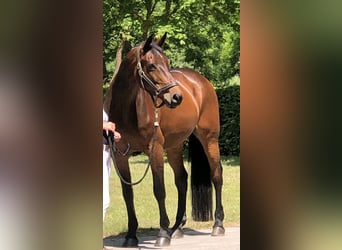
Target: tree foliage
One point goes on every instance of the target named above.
(202, 34)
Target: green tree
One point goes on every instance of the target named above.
(202, 34)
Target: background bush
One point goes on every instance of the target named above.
(229, 100)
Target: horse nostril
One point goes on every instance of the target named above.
(177, 99)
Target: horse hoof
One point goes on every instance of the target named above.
(163, 242)
(178, 233)
(130, 242)
(218, 231)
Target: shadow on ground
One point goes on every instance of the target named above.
(149, 236)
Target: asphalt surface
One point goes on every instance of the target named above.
(192, 240)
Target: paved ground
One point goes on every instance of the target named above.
(192, 240)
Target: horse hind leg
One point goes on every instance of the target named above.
(218, 228)
(175, 158)
(212, 150)
(209, 145)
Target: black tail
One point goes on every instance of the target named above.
(201, 186)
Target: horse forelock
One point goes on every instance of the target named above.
(156, 47)
(152, 45)
(131, 57)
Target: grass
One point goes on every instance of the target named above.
(146, 206)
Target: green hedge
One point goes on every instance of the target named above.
(229, 100)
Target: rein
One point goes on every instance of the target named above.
(113, 149)
(157, 92)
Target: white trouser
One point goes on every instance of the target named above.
(106, 174)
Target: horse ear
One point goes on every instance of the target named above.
(147, 45)
(162, 40)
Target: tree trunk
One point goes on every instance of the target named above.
(167, 11)
(118, 60)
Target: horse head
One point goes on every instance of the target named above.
(154, 71)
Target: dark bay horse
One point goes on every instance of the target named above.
(156, 109)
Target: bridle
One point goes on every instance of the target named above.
(148, 84)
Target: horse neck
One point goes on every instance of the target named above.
(130, 103)
(144, 109)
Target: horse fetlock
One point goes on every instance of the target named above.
(178, 233)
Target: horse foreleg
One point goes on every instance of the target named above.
(157, 166)
(175, 159)
(131, 239)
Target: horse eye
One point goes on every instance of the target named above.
(151, 67)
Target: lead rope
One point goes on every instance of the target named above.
(113, 150)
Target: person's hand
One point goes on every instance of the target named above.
(109, 126)
(117, 136)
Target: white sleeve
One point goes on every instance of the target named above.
(105, 116)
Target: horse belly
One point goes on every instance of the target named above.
(177, 127)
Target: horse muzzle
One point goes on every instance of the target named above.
(172, 100)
